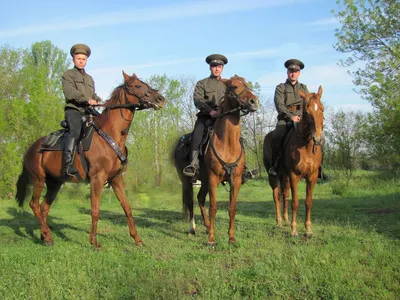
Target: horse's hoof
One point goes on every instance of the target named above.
(48, 243)
(139, 244)
(232, 241)
(295, 234)
(308, 235)
(192, 231)
(211, 244)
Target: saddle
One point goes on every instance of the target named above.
(54, 141)
(186, 141)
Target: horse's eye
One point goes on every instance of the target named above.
(138, 86)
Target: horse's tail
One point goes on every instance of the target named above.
(22, 186)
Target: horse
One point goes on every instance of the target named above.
(223, 159)
(106, 159)
(301, 157)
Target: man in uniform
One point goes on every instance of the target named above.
(289, 106)
(208, 94)
(79, 92)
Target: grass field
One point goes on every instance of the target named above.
(353, 254)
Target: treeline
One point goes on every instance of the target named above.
(32, 105)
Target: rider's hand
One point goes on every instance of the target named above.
(214, 113)
(92, 102)
(296, 119)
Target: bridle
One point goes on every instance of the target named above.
(310, 124)
(231, 94)
(142, 102)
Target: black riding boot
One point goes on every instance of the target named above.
(68, 157)
(273, 171)
(192, 169)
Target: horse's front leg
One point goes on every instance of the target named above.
(309, 191)
(295, 202)
(118, 187)
(96, 189)
(232, 206)
(274, 183)
(212, 190)
(285, 197)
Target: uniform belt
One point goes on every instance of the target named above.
(294, 107)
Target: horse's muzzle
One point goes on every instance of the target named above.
(253, 104)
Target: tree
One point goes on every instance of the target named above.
(345, 143)
(31, 102)
(254, 128)
(370, 32)
(154, 133)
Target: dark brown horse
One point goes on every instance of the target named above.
(301, 158)
(223, 160)
(106, 158)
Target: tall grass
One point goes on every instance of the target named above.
(354, 252)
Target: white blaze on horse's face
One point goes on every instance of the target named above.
(315, 106)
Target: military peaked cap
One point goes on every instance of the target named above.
(80, 49)
(216, 59)
(294, 64)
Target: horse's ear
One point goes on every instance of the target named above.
(320, 91)
(126, 76)
(302, 94)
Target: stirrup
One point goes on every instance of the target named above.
(190, 171)
(70, 171)
(273, 171)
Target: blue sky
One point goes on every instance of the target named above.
(173, 37)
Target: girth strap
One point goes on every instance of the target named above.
(112, 143)
(229, 167)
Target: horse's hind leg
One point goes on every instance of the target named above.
(38, 185)
(118, 187)
(201, 197)
(187, 199)
(53, 187)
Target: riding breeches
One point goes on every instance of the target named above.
(202, 123)
(74, 119)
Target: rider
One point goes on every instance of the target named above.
(290, 109)
(289, 106)
(79, 92)
(208, 94)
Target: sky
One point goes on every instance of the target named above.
(173, 37)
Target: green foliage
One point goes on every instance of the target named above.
(31, 102)
(369, 33)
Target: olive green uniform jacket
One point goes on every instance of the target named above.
(208, 95)
(78, 88)
(286, 96)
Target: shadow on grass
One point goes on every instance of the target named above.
(163, 220)
(380, 212)
(24, 223)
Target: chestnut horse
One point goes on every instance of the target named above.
(106, 158)
(223, 160)
(301, 158)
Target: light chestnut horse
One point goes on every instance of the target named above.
(301, 158)
(106, 159)
(223, 160)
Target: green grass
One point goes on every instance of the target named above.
(354, 252)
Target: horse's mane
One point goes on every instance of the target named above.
(114, 97)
